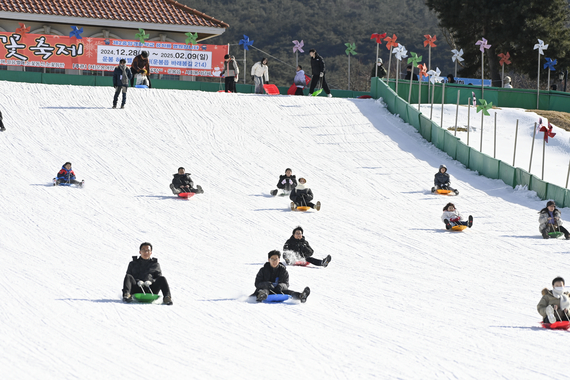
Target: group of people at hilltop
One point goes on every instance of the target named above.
(122, 76)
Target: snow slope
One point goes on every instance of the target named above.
(402, 297)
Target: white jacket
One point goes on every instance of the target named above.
(260, 70)
(451, 215)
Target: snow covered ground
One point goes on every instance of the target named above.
(402, 297)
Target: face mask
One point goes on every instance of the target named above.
(558, 290)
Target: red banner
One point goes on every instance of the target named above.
(100, 54)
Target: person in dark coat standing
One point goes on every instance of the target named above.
(302, 196)
(318, 71)
(287, 182)
(140, 65)
(379, 66)
(144, 271)
(273, 278)
(230, 73)
(121, 77)
(298, 248)
(441, 180)
(409, 73)
(182, 183)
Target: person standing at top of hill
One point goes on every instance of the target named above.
(300, 80)
(381, 69)
(121, 77)
(230, 73)
(409, 73)
(260, 75)
(140, 65)
(318, 71)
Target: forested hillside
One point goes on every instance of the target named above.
(325, 25)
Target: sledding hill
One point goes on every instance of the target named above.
(402, 298)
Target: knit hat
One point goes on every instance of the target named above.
(558, 279)
(298, 228)
(273, 253)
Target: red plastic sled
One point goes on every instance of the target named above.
(301, 263)
(271, 89)
(186, 195)
(561, 325)
(365, 97)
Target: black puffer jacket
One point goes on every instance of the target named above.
(297, 195)
(317, 65)
(268, 277)
(299, 246)
(144, 270)
(284, 177)
(441, 179)
(181, 180)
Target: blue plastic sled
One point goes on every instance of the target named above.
(141, 86)
(65, 184)
(275, 298)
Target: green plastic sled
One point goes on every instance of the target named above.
(145, 298)
(555, 234)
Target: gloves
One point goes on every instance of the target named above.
(148, 283)
(140, 283)
(322, 74)
(284, 182)
(454, 220)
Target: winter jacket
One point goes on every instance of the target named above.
(317, 65)
(139, 64)
(144, 270)
(301, 194)
(300, 80)
(269, 277)
(451, 216)
(381, 71)
(280, 185)
(65, 175)
(299, 246)
(260, 70)
(230, 69)
(548, 298)
(409, 74)
(441, 179)
(118, 79)
(543, 219)
(182, 180)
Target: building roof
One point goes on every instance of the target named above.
(141, 11)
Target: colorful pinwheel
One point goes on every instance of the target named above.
(549, 64)
(484, 106)
(430, 40)
(400, 52)
(547, 132)
(192, 37)
(541, 47)
(434, 76)
(482, 46)
(390, 43)
(423, 70)
(298, 46)
(504, 59)
(76, 32)
(245, 42)
(350, 49)
(141, 35)
(378, 37)
(457, 57)
(22, 30)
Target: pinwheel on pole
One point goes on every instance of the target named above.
(76, 32)
(378, 37)
(400, 52)
(550, 65)
(504, 61)
(414, 59)
(22, 30)
(350, 49)
(547, 133)
(296, 49)
(390, 43)
(192, 37)
(484, 107)
(246, 44)
(429, 41)
(457, 57)
(434, 77)
(541, 47)
(141, 35)
(482, 46)
(422, 73)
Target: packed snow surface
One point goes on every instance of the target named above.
(402, 297)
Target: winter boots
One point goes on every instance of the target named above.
(318, 206)
(550, 314)
(545, 234)
(447, 224)
(261, 295)
(127, 297)
(303, 296)
(470, 222)
(326, 261)
(167, 300)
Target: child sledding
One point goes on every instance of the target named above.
(554, 305)
(441, 182)
(66, 177)
(286, 183)
(453, 219)
(551, 223)
(302, 196)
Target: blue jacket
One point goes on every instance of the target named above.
(65, 175)
(117, 77)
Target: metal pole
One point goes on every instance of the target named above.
(389, 66)
(397, 76)
(538, 83)
(532, 148)
(349, 71)
(503, 77)
(481, 142)
(377, 45)
(543, 151)
(456, 113)
(432, 96)
(495, 138)
(468, 118)
(419, 91)
(442, 101)
(565, 79)
(244, 62)
(515, 151)
(483, 74)
(411, 80)
(568, 175)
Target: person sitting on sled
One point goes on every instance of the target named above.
(549, 219)
(301, 195)
(66, 175)
(298, 248)
(451, 217)
(145, 272)
(287, 182)
(441, 180)
(182, 183)
(554, 304)
(273, 278)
